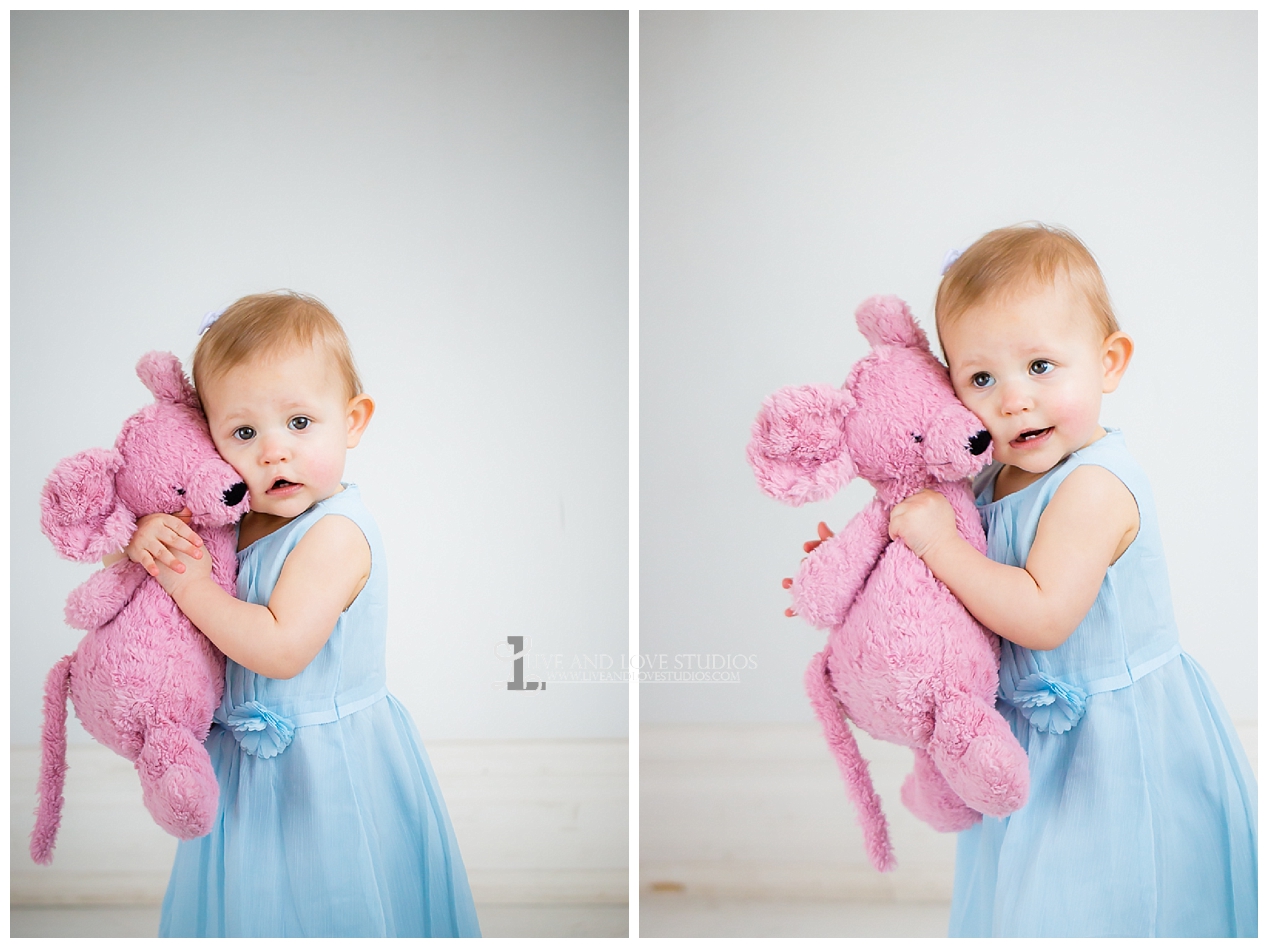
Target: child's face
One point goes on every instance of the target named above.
(1032, 366)
(285, 424)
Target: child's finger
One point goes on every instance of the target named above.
(170, 560)
(184, 530)
(180, 542)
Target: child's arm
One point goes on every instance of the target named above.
(1086, 526)
(320, 578)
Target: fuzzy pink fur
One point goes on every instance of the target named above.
(143, 681)
(904, 660)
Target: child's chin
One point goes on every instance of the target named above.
(1031, 462)
(278, 507)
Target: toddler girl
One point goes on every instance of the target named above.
(330, 820)
(1142, 817)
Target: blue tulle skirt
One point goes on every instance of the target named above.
(1142, 821)
(342, 834)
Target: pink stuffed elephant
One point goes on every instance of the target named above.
(904, 661)
(144, 681)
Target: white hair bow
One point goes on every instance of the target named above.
(209, 318)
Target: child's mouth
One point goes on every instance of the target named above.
(1031, 436)
(282, 485)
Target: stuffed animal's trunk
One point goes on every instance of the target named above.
(853, 767)
(48, 815)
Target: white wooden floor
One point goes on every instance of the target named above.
(543, 827)
(746, 831)
(496, 921)
(682, 916)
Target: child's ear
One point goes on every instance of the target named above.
(1116, 353)
(360, 410)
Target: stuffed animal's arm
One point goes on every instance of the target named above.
(833, 574)
(98, 600)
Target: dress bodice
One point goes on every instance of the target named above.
(1130, 629)
(350, 670)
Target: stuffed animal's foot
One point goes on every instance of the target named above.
(178, 783)
(928, 795)
(979, 757)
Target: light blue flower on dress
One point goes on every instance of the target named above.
(1048, 703)
(260, 731)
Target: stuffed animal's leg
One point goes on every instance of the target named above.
(979, 757)
(853, 767)
(48, 815)
(178, 784)
(927, 794)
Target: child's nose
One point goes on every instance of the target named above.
(273, 449)
(1015, 397)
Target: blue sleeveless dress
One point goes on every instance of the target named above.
(1142, 817)
(330, 819)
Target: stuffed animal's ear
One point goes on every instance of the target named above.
(162, 374)
(79, 510)
(886, 321)
(798, 449)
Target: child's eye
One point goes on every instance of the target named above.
(245, 433)
(1040, 367)
(299, 423)
(982, 380)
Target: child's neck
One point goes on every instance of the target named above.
(1011, 479)
(256, 526)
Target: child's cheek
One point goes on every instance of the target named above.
(326, 471)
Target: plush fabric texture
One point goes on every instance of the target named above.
(904, 660)
(143, 681)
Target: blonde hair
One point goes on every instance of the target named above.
(267, 324)
(1012, 258)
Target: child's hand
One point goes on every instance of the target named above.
(159, 537)
(185, 570)
(922, 521)
(809, 546)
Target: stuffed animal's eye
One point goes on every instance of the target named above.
(917, 438)
(1040, 367)
(245, 433)
(982, 380)
(299, 423)
(180, 491)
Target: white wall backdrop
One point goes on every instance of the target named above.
(455, 188)
(794, 164)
